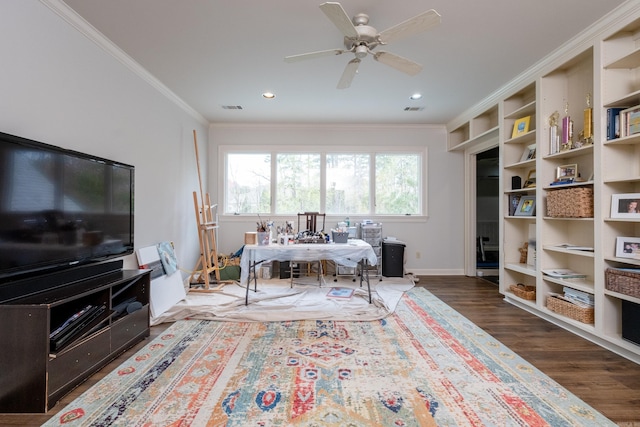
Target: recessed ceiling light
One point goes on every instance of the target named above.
(268, 95)
(416, 96)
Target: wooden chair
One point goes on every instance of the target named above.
(310, 220)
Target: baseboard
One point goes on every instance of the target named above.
(434, 272)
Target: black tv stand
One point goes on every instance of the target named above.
(35, 375)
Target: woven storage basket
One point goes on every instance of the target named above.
(570, 203)
(524, 291)
(557, 305)
(624, 282)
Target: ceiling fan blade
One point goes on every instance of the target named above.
(398, 62)
(340, 19)
(349, 73)
(410, 27)
(312, 55)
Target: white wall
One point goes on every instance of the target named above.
(58, 87)
(438, 238)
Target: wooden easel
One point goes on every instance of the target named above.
(207, 222)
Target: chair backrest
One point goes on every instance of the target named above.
(311, 221)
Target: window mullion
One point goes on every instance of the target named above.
(323, 182)
(372, 184)
(274, 182)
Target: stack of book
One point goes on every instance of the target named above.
(563, 273)
(580, 298)
(73, 326)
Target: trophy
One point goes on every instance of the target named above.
(554, 138)
(567, 129)
(587, 137)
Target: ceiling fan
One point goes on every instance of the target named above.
(361, 40)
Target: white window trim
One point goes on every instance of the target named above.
(223, 150)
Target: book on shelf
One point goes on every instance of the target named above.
(573, 247)
(61, 337)
(630, 121)
(563, 273)
(563, 181)
(67, 324)
(613, 122)
(633, 121)
(580, 296)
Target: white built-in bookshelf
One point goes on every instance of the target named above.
(597, 75)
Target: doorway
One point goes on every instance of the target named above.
(487, 214)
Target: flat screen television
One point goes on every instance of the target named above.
(60, 208)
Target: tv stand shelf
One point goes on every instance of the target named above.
(35, 372)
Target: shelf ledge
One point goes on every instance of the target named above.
(577, 252)
(527, 269)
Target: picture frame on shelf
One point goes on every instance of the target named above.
(567, 172)
(521, 126)
(630, 121)
(514, 201)
(526, 206)
(625, 205)
(529, 153)
(530, 182)
(627, 247)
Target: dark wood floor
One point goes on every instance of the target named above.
(608, 382)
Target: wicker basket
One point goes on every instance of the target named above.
(574, 202)
(624, 282)
(560, 306)
(524, 291)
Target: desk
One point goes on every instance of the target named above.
(355, 253)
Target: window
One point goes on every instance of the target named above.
(297, 183)
(347, 184)
(248, 183)
(341, 182)
(397, 184)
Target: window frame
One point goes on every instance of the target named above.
(274, 150)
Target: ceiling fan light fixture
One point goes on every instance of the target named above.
(415, 96)
(361, 51)
(269, 95)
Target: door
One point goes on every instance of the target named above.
(487, 213)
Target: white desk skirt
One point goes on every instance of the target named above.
(347, 254)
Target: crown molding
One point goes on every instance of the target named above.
(89, 31)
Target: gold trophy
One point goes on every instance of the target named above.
(587, 137)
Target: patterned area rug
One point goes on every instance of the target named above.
(424, 365)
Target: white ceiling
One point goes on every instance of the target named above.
(213, 53)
